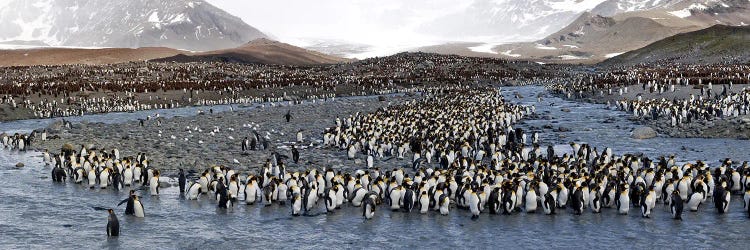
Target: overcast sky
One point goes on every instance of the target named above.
(384, 22)
(364, 21)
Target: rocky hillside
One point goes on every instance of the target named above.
(717, 44)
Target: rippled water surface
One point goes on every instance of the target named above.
(36, 213)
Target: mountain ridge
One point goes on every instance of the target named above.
(181, 24)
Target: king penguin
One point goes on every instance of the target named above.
(113, 225)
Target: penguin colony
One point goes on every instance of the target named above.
(481, 164)
(53, 91)
(103, 169)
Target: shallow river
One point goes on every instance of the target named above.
(36, 213)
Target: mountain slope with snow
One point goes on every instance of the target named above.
(615, 27)
(509, 19)
(181, 24)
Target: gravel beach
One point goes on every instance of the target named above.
(197, 142)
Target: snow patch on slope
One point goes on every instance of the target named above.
(686, 12)
(610, 55)
(484, 48)
(510, 54)
(540, 46)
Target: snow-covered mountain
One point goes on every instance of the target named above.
(535, 19)
(519, 19)
(183, 24)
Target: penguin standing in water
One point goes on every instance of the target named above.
(494, 202)
(445, 203)
(182, 181)
(130, 206)
(577, 201)
(474, 205)
(154, 183)
(648, 203)
(368, 207)
(424, 202)
(409, 198)
(696, 199)
(676, 205)
(549, 203)
(296, 205)
(310, 200)
(722, 198)
(138, 207)
(596, 200)
(251, 191)
(113, 225)
(331, 199)
(116, 180)
(747, 201)
(58, 174)
(225, 201)
(623, 202)
(530, 201)
(92, 178)
(194, 191)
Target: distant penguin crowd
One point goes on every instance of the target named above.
(17, 142)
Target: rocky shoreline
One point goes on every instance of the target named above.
(727, 127)
(731, 128)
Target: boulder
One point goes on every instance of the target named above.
(55, 127)
(562, 129)
(643, 133)
(67, 149)
(20, 165)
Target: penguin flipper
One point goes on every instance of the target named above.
(123, 201)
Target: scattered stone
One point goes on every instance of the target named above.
(20, 165)
(643, 133)
(67, 148)
(567, 110)
(55, 126)
(562, 129)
